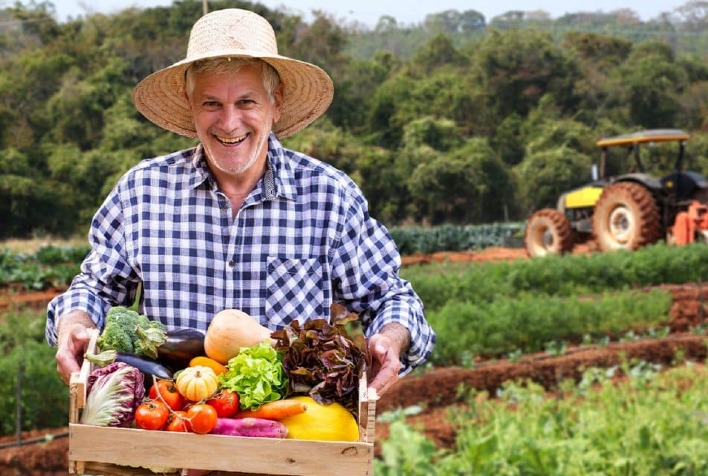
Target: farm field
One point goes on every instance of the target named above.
(435, 392)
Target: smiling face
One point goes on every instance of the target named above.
(233, 116)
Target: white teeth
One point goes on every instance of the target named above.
(230, 140)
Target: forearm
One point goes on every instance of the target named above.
(399, 336)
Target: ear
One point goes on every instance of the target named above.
(277, 102)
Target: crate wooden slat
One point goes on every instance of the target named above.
(129, 451)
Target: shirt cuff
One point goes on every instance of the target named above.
(73, 300)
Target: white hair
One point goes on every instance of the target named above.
(231, 66)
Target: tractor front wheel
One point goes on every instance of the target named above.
(548, 232)
(626, 217)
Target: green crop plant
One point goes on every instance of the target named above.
(639, 427)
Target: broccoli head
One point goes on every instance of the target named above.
(128, 332)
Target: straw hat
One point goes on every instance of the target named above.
(307, 93)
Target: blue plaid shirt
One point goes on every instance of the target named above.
(302, 240)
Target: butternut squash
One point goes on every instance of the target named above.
(229, 331)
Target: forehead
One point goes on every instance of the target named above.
(246, 78)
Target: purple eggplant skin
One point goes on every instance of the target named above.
(147, 366)
(182, 345)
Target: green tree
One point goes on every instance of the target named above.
(546, 173)
(354, 96)
(438, 52)
(321, 43)
(595, 95)
(467, 185)
(509, 141)
(518, 67)
(652, 85)
(385, 129)
(453, 21)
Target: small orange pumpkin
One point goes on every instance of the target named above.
(197, 383)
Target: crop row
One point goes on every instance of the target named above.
(414, 240)
(50, 266)
(496, 309)
(653, 423)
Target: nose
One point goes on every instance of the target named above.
(230, 118)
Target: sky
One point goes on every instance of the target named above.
(404, 11)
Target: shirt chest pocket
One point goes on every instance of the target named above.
(295, 290)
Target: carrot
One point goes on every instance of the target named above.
(275, 410)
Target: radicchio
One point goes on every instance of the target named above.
(113, 394)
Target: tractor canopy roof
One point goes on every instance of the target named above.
(646, 136)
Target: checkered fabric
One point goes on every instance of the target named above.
(302, 240)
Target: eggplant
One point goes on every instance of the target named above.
(147, 366)
(182, 345)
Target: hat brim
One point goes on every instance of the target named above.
(308, 92)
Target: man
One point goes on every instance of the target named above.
(239, 221)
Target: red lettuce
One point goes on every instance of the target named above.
(323, 360)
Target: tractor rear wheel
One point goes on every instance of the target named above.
(626, 217)
(548, 232)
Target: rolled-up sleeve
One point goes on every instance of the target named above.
(366, 268)
(106, 278)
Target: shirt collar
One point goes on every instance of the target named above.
(279, 167)
(201, 171)
(282, 169)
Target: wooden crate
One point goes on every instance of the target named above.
(130, 451)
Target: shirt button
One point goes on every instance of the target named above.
(232, 263)
(224, 205)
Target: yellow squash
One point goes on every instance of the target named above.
(322, 422)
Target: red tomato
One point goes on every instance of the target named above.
(152, 415)
(178, 421)
(203, 418)
(225, 402)
(168, 392)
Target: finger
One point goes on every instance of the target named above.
(385, 378)
(382, 383)
(66, 365)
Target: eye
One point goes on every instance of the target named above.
(211, 104)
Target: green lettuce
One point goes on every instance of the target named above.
(257, 375)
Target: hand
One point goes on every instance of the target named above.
(72, 341)
(385, 349)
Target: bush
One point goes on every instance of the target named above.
(25, 354)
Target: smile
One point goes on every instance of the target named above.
(231, 140)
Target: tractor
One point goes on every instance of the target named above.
(626, 210)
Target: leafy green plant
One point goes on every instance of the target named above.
(406, 451)
(49, 267)
(448, 237)
(640, 427)
(562, 276)
(556, 348)
(528, 322)
(652, 423)
(27, 360)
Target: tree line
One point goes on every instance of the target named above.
(456, 120)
